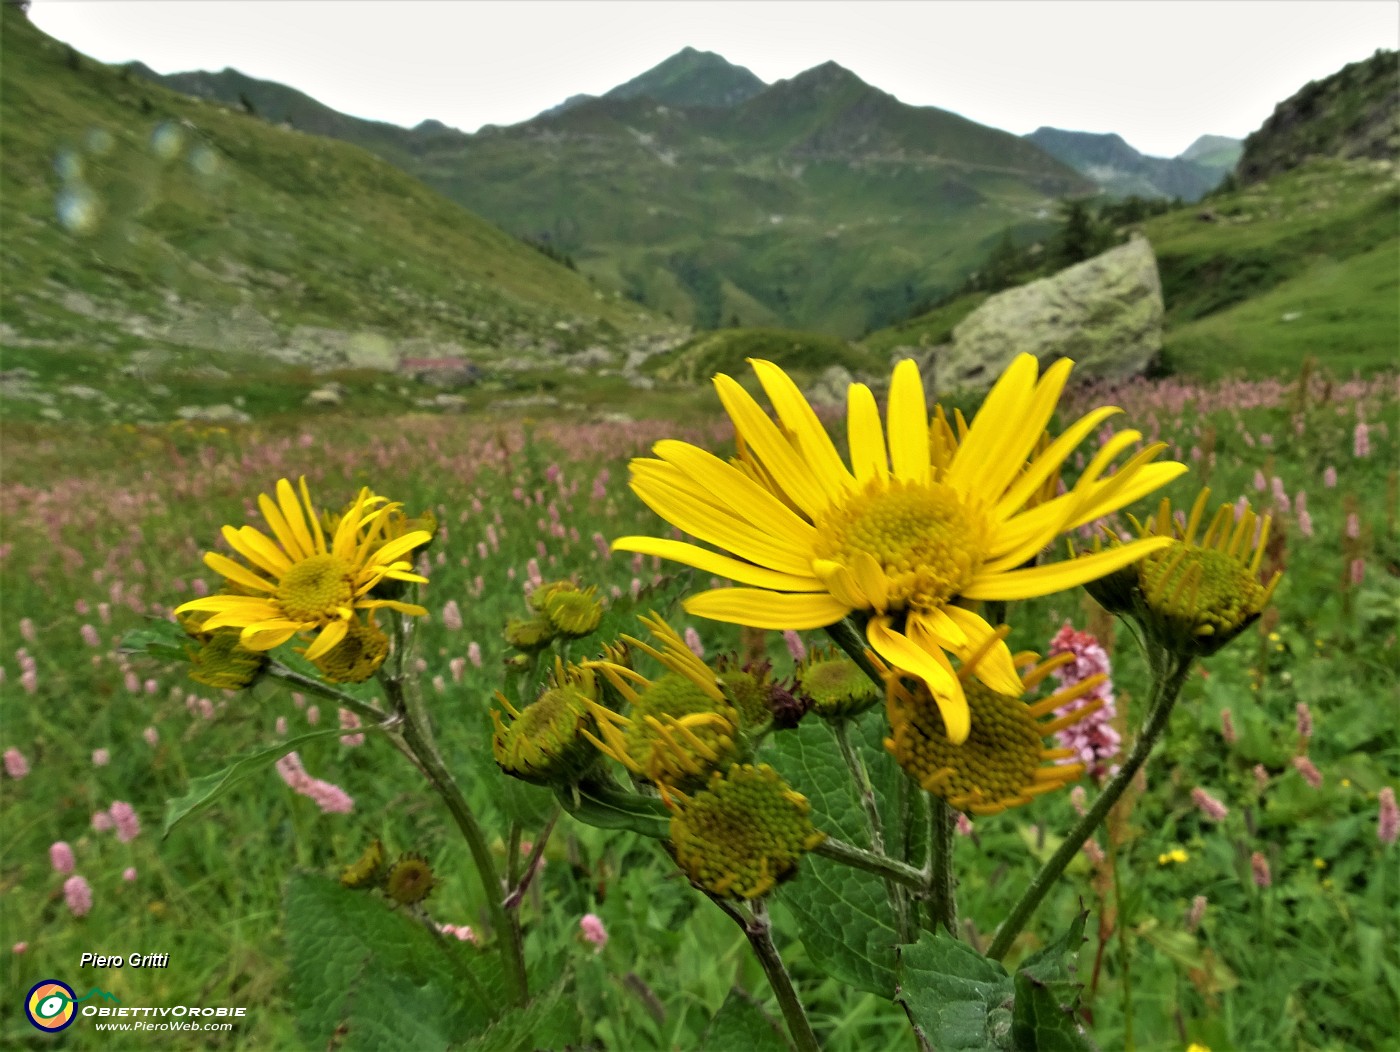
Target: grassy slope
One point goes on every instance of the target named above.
(200, 212)
(1320, 241)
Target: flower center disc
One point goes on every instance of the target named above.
(927, 541)
(315, 589)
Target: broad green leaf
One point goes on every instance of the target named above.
(1045, 1018)
(550, 1021)
(367, 977)
(843, 914)
(206, 791)
(611, 809)
(741, 1025)
(159, 638)
(956, 998)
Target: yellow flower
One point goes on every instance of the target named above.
(1001, 763)
(301, 583)
(1196, 1046)
(1176, 854)
(680, 727)
(920, 520)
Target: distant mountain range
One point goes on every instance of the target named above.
(1122, 171)
(705, 194)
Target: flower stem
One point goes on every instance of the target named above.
(279, 671)
(1169, 674)
(858, 858)
(938, 872)
(849, 638)
(417, 736)
(759, 931)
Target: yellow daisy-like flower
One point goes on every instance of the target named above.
(1001, 763)
(680, 726)
(920, 519)
(299, 582)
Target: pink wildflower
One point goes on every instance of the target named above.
(692, 640)
(313, 714)
(101, 821)
(90, 636)
(1358, 571)
(1196, 913)
(452, 616)
(1361, 441)
(349, 721)
(280, 727)
(1388, 821)
(19, 947)
(151, 735)
(1093, 738)
(331, 799)
(26, 629)
(129, 874)
(1329, 477)
(1261, 776)
(1208, 805)
(1077, 797)
(1308, 770)
(460, 931)
(1259, 865)
(1227, 727)
(78, 894)
(101, 757)
(1305, 523)
(439, 684)
(795, 646)
(16, 766)
(962, 825)
(1305, 721)
(61, 857)
(474, 653)
(1353, 527)
(592, 928)
(458, 667)
(1092, 851)
(29, 680)
(124, 818)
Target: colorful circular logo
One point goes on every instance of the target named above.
(50, 1005)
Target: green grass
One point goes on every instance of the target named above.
(728, 350)
(1309, 964)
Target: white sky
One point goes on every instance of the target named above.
(1158, 72)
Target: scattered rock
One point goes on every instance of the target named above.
(1292, 315)
(331, 394)
(212, 414)
(1105, 313)
(831, 386)
(84, 393)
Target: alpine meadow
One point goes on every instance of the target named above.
(719, 565)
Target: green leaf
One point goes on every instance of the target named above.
(161, 639)
(550, 1021)
(367, 977)
(956, 998)
(1045, 1018)
(206, 791)
(843, 914)
(610, 809)
(741, 1025)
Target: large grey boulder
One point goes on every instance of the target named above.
(1104, 313)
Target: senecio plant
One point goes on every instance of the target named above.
(906, 550)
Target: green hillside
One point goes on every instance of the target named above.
(1256, 279)
(161, 252)
(1122, 171)
(819, 201)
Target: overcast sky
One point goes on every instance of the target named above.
(1158, 73)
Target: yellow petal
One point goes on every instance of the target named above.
(291, 514)
(908, 423)
(278, 525)
(258, 549)
(744, 497)
(1024, 430)
(410, 609)
(996, 668)
(268, 635)
(994, 425)
(316, 532)
(1132, 487)
(768, 443)
(721, 528)
(929, 665)
(870, 576)
(771, 610)
(1057, 577)
(720, 565)
(841, 583)
(865, 436)
(238, 574)
(1050, 461)
(401, 546)
(332, 634)
(798, 417)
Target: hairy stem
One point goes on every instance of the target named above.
(938, 871)
(855, 763)
(759, 931)
(1169, 674)
(364, 710)
(891, 869)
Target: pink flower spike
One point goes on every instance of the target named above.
(795, 646)
(1196, 913)
(151, 735)
(101, 821)
(1209, 805)
(592, 928)
(349, 721)
(1329, 477)
(19, 947)
(101, 757)
(1227, 727)
(16, 766)
(474, 653)
(692, 640)
(452, 616)
(61, 857)
(124, 818)
(129, 874)
(78, 894)
(1259, 866)
(1308, 770)
(1388, 821)
(1305, 721)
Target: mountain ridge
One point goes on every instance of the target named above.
(1123, 171)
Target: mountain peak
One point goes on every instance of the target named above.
(692, 78)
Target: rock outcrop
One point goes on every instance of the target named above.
(1105, 313)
